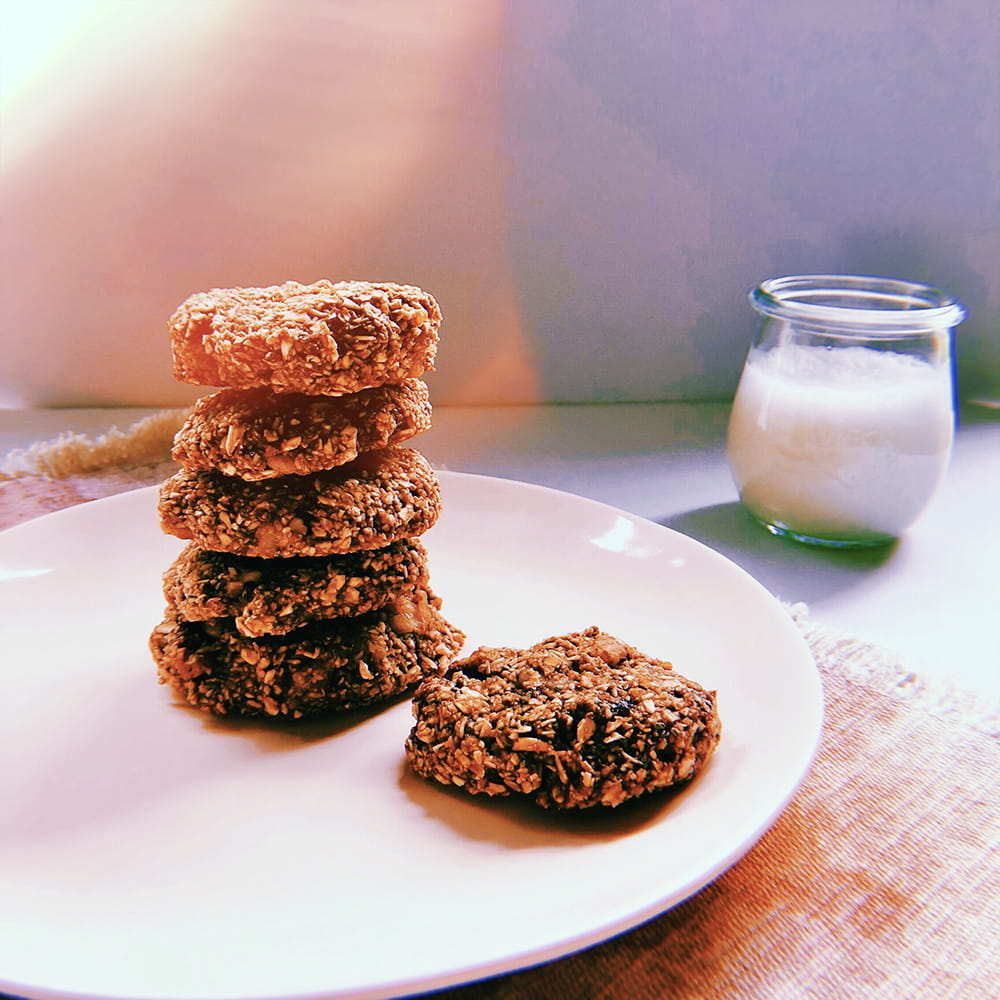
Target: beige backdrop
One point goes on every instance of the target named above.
(588, 188)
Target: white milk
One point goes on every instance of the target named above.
(846, 444)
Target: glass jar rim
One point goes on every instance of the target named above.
(850, 301)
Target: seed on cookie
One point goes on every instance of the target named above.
(324, 667)
(574, 721)
(258, 434)
(276, 596)
(323, 338)
(379, 498)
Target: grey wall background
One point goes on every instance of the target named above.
(589, 188)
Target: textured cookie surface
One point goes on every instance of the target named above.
(324, 338)
(257, 434)
(329, 666)
(380, 498)
(575, 721)
(275, 596)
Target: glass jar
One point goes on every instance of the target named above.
(843, 420)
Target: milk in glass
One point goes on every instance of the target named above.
(847, 445)
(843, 420)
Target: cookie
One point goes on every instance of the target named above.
(276, 596)
(317, 339)
(575, 721)
(257, 434)
(325, 667)
(379, 498)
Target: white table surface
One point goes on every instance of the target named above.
(933, 598)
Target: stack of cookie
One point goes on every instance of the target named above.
(304, 587)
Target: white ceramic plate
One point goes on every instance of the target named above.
(150, 851)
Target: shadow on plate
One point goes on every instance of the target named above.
(791, 570)
(514, 821)
(277, 735)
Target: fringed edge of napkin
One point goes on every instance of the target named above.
(146, 441)
(861, 662)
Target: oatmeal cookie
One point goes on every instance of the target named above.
(257, 434)
(369, 503)
(320, 339)
(275, 596)
(325, 667)
(576, 720)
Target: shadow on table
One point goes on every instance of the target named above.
(791, 570)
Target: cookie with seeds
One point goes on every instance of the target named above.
(574, 721)
(324, 667)
(276, 596)
(257, 434)
(379, 498)
(323, 338)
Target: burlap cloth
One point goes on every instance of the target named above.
(879, 881)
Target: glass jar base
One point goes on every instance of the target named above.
(784, 531)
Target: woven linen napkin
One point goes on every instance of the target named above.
(880, 880)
